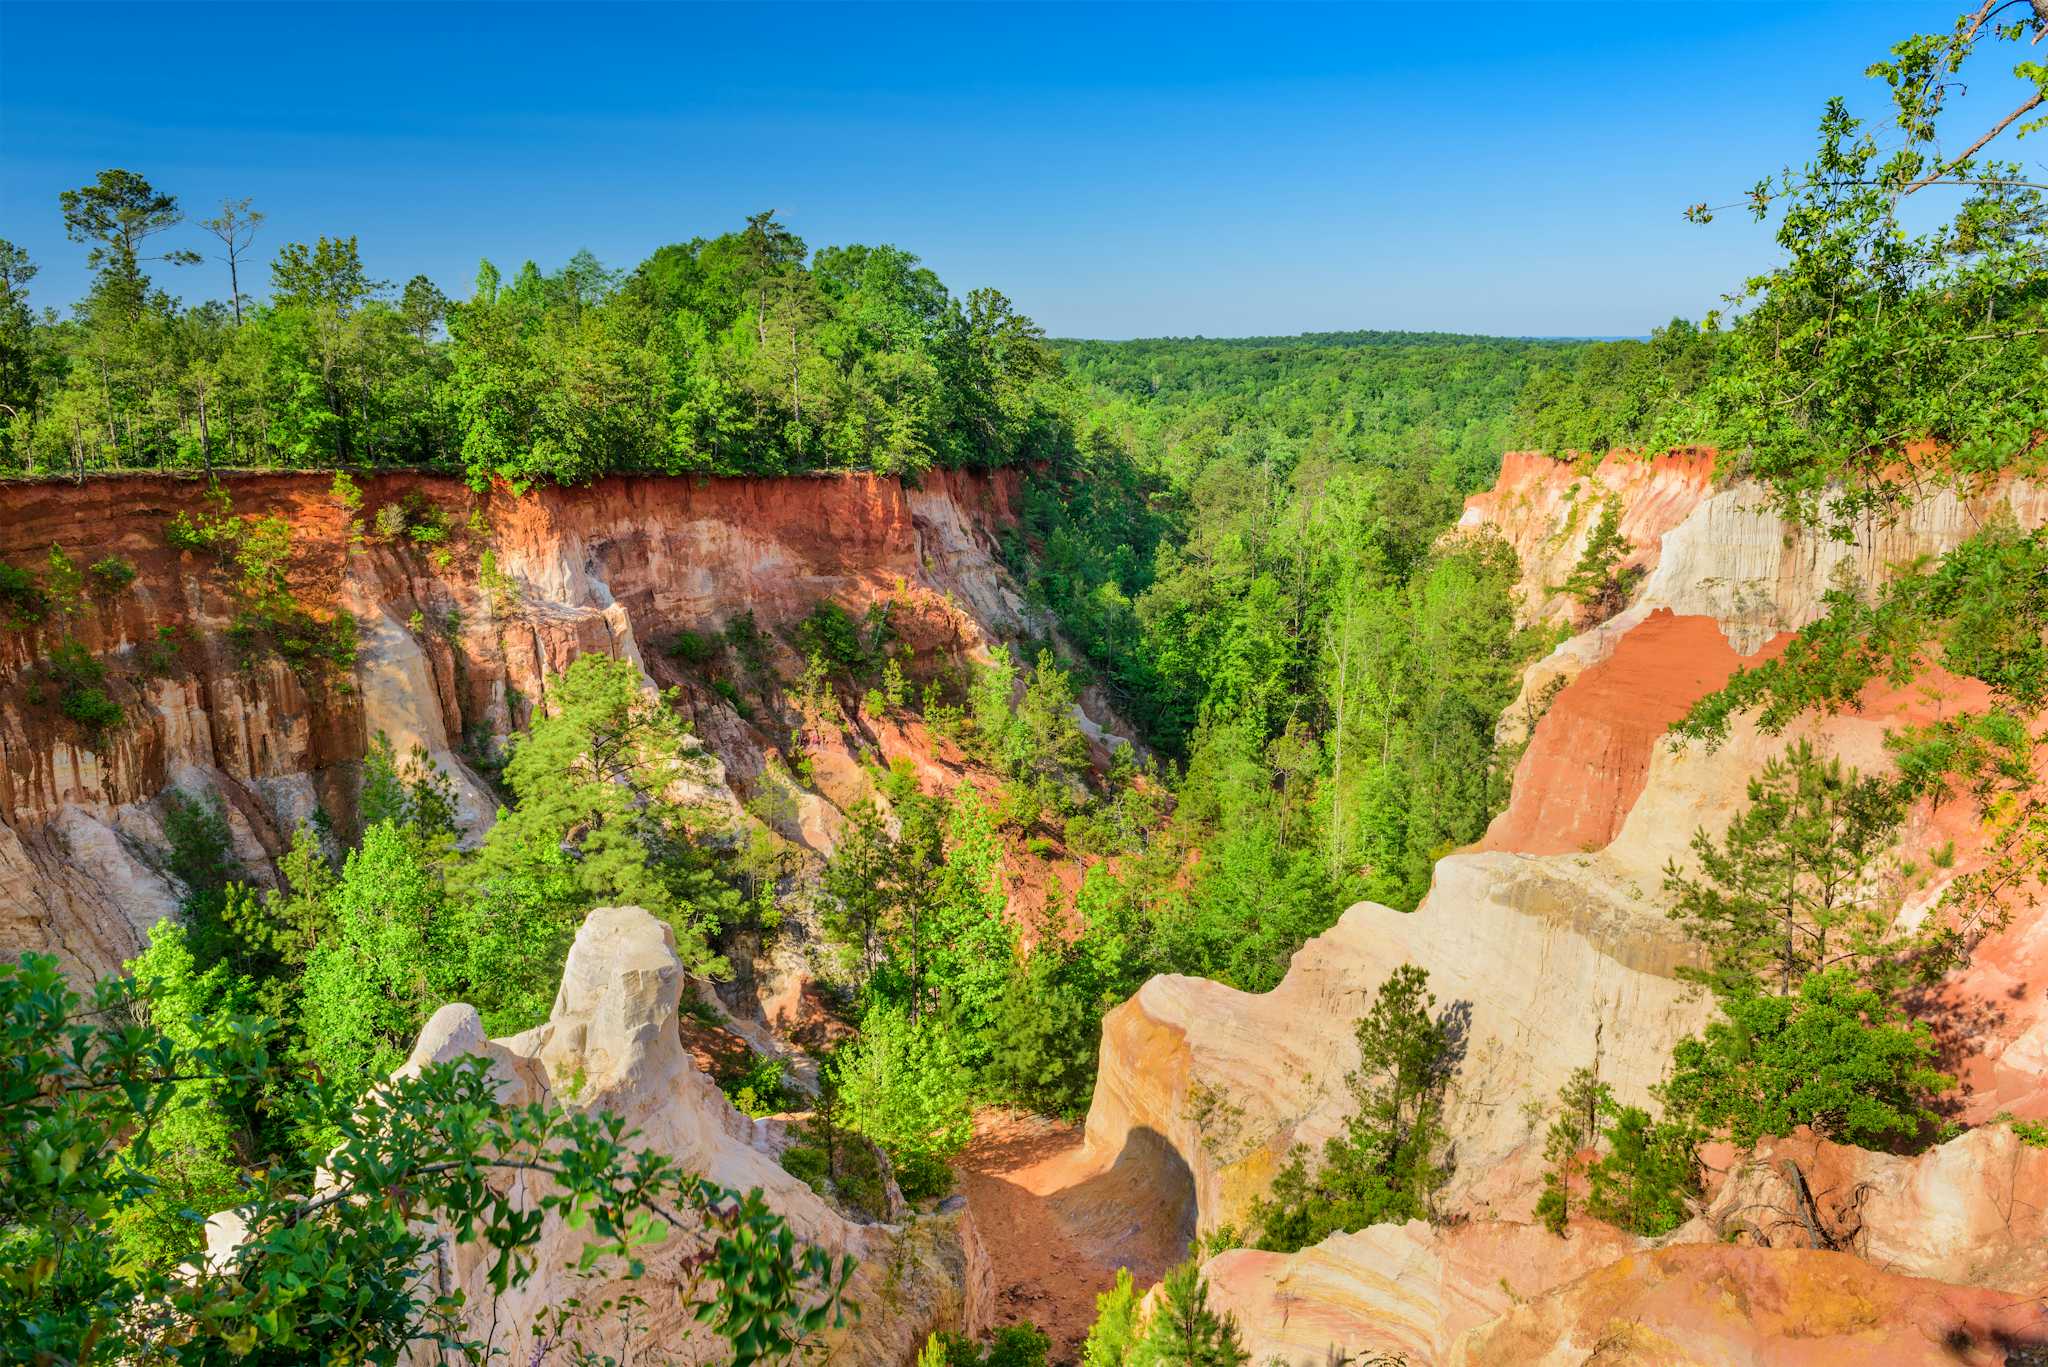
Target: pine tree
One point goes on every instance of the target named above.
(1185, 1332)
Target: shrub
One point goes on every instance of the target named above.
(389, 521)
(81, 695)
(1012, 1345)
(690, 647)
(1644, 1181)
(111, 575)
(838, 1165)
(498, 586)
(1836, 1056)
(724, 689)
(63, 580)
(22, 600)
(159, 655)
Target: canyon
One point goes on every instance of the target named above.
(1545, 941)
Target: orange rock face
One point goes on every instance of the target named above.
(1707, 1306)
(445, 660)
(1547, 508)
(1590, 754)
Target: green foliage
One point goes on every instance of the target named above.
(1838, 1056)
(1598, 580)
(1614, 395)
(1388, 1162)
(1011, 1345)
(80, 683)
(1580, 1104)
(838, 1164)
(1117, 1329)
(1906, 308)
(690, 648)
(852, 646)
(758, 1089)
(594, 824)
(1048, 1023)
(93, 1130)
(22, 600)
(110, 575)
(159, 655)
(200, 855)
(366, 987)
(190, 1159)
(1796, 884)
(905, 1085)
(1185, 1332)
(1649, 1174)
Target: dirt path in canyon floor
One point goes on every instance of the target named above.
(1055, 1224)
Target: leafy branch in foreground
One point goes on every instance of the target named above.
(342, 1259)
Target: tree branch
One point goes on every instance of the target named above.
(2034, 102)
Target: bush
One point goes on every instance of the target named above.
(724, 688)
(92, 709)
(111, 575)
(1650, 1171)
(832, 633)
(81, 692)
(1837, 1056)
(1012, 1345)
(160, 654)
(838, 1165)
(690, 647)
(22, 600)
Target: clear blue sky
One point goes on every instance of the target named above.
(1136, 171)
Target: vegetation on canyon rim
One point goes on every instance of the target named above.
(1244, 541)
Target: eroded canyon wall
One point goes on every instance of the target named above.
(1548, 941)
(459, 627)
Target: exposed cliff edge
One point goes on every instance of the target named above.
(453, 649)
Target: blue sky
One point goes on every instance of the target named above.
(1135, 171)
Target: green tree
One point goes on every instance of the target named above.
(1387, 1163)
(118, 213)
(1117, 1329)
(906, 1086)
(1796, 884)
(1580, 1104)
(1837, 1055)
(1598, 580)
(596, 823)
(1185, 1332)
(189, 1160)
(1650, 1174)
(366, 987)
